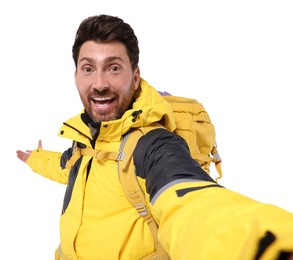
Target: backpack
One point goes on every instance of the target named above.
(193, 124)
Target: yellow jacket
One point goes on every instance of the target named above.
(198, 219)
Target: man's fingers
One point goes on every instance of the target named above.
(25, 155)
(22, 155)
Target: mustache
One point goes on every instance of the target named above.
(102, 93)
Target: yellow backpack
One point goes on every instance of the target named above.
(193, 124)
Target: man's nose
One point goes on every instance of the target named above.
(100, 81)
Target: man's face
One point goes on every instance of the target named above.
(105, 80)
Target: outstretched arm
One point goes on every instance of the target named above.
(199, 219)
(46, 163)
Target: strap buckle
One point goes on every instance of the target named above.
(141, 208)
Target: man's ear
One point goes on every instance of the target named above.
(136, 77)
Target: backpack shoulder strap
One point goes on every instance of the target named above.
(132, 189)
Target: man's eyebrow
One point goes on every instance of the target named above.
(88, 59)
(112, 58)
(108, 59)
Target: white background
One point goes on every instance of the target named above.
(235, 57)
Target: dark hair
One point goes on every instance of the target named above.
(106, 28)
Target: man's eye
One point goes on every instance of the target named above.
(87, 69)
(115, 68)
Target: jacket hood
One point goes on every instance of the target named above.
(148, 107)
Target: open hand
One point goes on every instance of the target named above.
(24, 155)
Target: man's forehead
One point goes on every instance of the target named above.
(95, 51)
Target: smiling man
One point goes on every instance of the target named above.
(196, 217)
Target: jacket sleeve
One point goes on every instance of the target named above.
(49, 164)
(199, 219)
(217, 223)
(162, 159)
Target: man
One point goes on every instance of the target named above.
(197, 218)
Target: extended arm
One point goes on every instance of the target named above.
(47, 163)
(199, 219)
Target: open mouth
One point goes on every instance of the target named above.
(103, 102)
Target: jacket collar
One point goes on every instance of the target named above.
(148, 107)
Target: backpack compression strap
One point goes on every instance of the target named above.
(217, 160)
(212, 157)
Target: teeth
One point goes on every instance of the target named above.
(102, 98)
